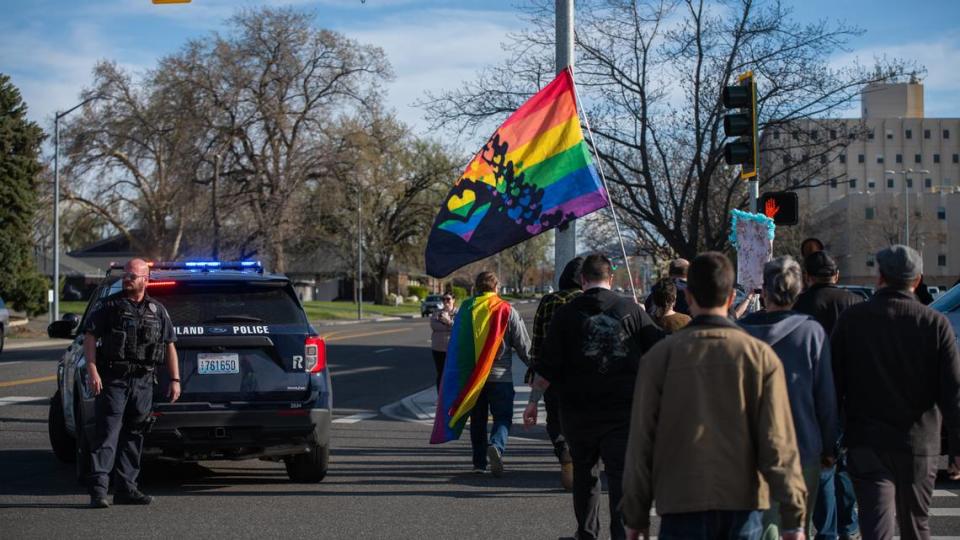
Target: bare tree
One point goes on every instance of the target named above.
(128, 154)
(651, 75)
(267, 91)
(524, 258)
(399, 182)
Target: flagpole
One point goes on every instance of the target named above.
(603, 178)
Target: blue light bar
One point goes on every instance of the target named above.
(249, 263)
(202, 264)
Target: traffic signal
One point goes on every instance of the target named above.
(743, 125)
(781, 206)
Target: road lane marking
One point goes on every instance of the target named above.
(11, 363)
(354, 418)
(335, 373)
(13, 400)
(944, 512)
(378, 351)
(5, 384)
(380, 333)
(943, 493)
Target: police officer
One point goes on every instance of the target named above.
(125, 338)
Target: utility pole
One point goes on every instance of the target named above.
(213, 208)
(359, 256)
(565, 242)
(56, 202)
(906, 200)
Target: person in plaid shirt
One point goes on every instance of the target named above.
(569, 289)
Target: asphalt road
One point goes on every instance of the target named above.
(385, 480)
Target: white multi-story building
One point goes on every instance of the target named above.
(850, 196)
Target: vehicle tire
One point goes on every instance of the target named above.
(83, 448)
(63, 444)
(310, 467)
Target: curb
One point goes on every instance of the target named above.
(33, 343)
(334, 322)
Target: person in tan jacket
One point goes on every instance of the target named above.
(711, 435)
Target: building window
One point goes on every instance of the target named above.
(941, 213)
(786, 159)
(928, 182)
(814, 134)
(796, 135)
(936, 158)
(870, 134)
(908, 133)
(776, 135)
(870, 262)
(890, 183)
(926, 134)
(941, 260)
(871, 184)
(946, 134)
(823, 159)
(917, 158)
(909, 182)
(833, 183)
(956, 158)
(853, 183)
(899, 158)
(860, 158)
(843, 158)
(889, 134)
(868, 213)
(833, 134)
(879, 158)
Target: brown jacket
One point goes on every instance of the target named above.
(711, 428)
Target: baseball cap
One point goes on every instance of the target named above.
(819, 264)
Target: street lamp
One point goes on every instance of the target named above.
(56, 202)
(906, 199)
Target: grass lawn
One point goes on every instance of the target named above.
(317, 311)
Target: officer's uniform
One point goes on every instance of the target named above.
(132, 342)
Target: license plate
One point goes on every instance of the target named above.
(218, 363)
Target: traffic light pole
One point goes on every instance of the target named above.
(565, 241)
(754, 194)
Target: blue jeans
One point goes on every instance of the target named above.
(495, 399)
(712, 525)
(835, 512)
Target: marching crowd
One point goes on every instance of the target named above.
(818, 415)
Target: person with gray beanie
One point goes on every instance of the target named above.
(897, 369)
(804, 350)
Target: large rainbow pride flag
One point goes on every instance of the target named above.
(535, 173)
(475, 338)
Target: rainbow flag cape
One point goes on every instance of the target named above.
(475, 338)
(535, 173)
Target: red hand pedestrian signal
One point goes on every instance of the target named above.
(771, 208)
(780, 206)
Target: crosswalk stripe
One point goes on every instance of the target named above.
(12, 400)
(943, 493)
(354, 418)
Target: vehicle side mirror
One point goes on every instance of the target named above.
(62, 329)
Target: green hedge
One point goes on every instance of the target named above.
(418, 291)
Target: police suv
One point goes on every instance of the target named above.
(253, 373)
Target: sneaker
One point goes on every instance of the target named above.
(478, 470)
(97, 501)
(566, 476)
(133, 497)
(496, 460)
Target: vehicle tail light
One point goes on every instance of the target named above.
(315, 354)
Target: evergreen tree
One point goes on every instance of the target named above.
(20, 283)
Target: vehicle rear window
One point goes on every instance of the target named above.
(213, 303)
(434, 298)
(948, 302)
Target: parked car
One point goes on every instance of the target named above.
(861, 290)
(949, 304)
(431, 304)
(4, 323)
(255, 382)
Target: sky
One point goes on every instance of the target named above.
(49, 47)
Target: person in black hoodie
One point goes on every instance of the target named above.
(591, 355)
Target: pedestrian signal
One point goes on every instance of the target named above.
(783, 207)
(743, 125)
